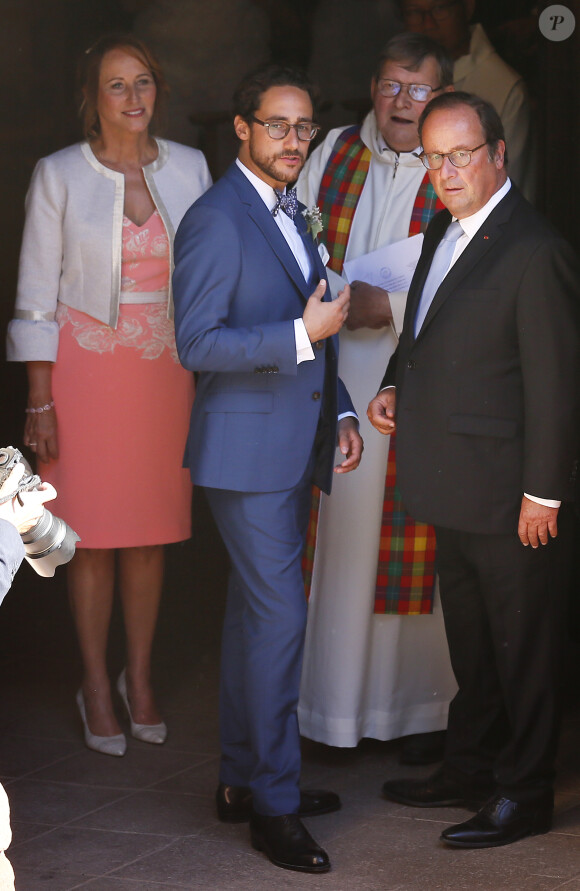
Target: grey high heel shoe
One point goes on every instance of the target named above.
(106, 745)
(149, 733)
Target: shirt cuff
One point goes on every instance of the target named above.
(348, 414)
(547, 502)
(304, 351)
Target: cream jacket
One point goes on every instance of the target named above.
(71, 248)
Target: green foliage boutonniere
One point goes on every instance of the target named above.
(313, 218)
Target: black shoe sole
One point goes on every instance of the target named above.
(259, 845)
(493, 844)
(518, 836)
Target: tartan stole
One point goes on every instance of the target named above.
(406, 565)
(342, 183)
(406, 562)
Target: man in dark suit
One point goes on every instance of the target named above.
(254, 319)
(487, 406)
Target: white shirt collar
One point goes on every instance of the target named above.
(265, 191)
(471, 224)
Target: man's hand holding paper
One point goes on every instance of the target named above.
(388, 269)
(370, 307)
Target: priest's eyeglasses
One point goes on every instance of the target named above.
(305, 130)
(419, 92)
(459, 158)
(414, 15)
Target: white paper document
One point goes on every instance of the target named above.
(390, 267)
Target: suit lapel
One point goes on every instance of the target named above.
(262, 218)
(483, 241)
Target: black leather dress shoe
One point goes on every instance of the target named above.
(438, 790)
(315, 802)
(501, 821)
(234, 803)
(287, 843)
(423, 748)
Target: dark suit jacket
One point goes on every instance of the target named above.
(237, 291)
(487, 395)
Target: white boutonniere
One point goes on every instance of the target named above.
(313, 218)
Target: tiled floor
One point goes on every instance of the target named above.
(147, 821)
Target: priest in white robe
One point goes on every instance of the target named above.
(367, 674)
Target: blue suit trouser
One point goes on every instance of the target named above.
(263, 641)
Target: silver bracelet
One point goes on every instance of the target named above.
(41, 408)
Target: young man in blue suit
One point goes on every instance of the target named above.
(254, 318)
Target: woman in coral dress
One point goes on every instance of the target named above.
(109, 403)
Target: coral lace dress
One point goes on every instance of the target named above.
(123, 403)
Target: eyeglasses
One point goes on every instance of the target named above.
(439, 12)
(418, 92)
(459, 158)
(280, 129)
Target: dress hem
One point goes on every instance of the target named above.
(417, 720)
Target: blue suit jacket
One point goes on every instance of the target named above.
(237, 291)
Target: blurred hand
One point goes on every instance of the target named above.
(350, 444)
(40, 434)
(370, 307)
(26, 508)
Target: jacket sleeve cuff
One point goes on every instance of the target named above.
(32, 341)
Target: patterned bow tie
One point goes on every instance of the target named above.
(288, 202)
